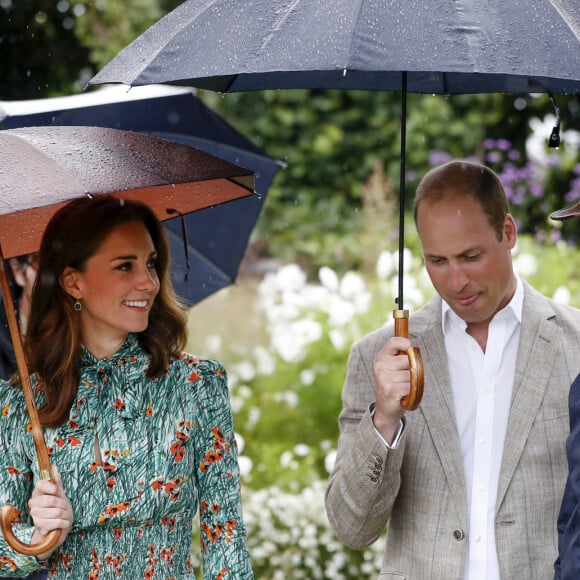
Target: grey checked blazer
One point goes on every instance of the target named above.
(419, 488)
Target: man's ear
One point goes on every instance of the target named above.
(510, 231)
(69, 282)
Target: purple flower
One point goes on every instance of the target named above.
(493, 157)
(438, 158)
(503, 144)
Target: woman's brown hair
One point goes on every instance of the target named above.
(53, 347)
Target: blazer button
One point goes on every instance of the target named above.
(459, 535)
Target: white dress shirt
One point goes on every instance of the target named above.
(482, 383)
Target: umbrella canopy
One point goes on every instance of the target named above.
(45, 167)
(439, 47)
(217, 236)
(445, 47)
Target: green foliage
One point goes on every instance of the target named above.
(40, 54)
(106, 27)
(332, 141)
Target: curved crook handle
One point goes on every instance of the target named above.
(413, 399)
(8, 514)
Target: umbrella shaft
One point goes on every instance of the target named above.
(402, 185)
(37, 432)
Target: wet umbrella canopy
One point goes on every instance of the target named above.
(44, 167)
(445, 47)
(217, 236)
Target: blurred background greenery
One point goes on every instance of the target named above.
(329, 226)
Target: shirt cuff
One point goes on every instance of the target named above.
(398, 434)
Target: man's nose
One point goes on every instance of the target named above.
(457, 277)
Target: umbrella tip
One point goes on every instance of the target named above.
(554, 140)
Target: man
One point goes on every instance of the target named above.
(567, 566)
(469, 484)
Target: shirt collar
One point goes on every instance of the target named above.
(514, 307)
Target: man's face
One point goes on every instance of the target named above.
(469, 267)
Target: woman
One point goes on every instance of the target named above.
(141, 432)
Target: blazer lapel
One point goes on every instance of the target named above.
(437, 406)
(536, 355)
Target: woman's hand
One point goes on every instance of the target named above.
(50, 510)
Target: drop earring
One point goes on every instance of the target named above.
(78, 305)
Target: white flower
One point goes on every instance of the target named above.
(240, 441)
(265, 362)
(351, 285)
(337, 339)
(245, 464)
(562, 295)
(328, 278)
(301, 450)
(307, 376)
(525, 264)
(289, 398)
(330, 460)
(386, 265)
(213, 343)
(245, 370)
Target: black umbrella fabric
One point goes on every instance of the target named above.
(521, 46)
(216, 236)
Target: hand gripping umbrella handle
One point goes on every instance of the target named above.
(8, 514)
(411, 401)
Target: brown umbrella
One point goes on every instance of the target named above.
(43, 168)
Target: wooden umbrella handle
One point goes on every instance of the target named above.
(411, 401)
(8, 514)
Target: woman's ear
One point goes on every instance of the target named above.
(69, 282)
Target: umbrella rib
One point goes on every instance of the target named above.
(566, 18)
(279, 23)
(202, 258)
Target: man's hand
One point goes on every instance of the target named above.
(392, 383)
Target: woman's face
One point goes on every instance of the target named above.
(116, 288)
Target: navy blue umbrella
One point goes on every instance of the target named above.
(215, 237)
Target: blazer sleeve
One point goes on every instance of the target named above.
(567, 566)
(366, 478)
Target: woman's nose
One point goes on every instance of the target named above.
(148, 279)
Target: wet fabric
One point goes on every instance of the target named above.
(167, 448)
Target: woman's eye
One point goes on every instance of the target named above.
(124, 266)
(151, 264)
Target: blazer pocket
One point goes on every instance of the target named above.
(392, 576)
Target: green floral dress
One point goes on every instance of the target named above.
(167, 448)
